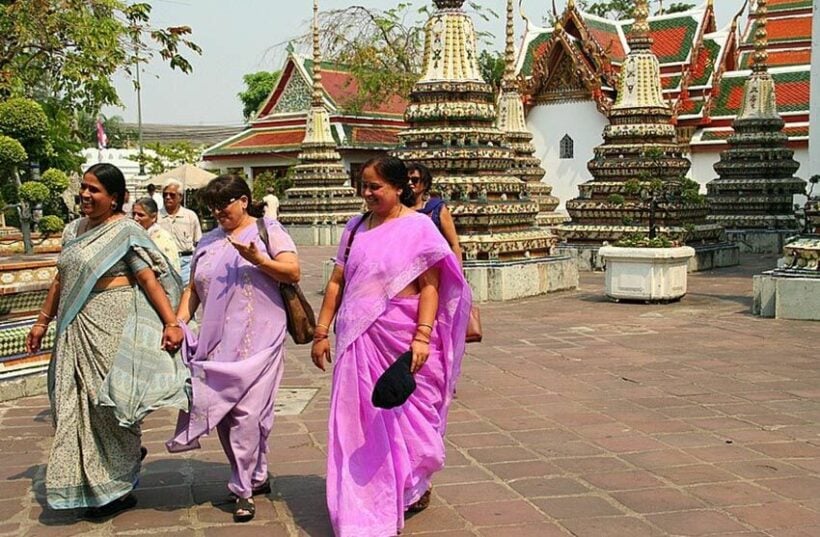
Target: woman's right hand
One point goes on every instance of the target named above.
(35, 338)
(320, 351)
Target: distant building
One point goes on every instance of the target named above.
(273, 139)
(572, 70)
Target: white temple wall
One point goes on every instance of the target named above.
(549, 124)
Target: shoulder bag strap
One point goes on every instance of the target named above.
(353, 234)
(263, 234)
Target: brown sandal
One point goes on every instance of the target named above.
(421, 504)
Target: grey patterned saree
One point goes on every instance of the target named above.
(108, 370)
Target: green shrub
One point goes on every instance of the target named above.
(25, 121)
(12, 153)
(638, 240)
(616, 199)
(50, 224)
(55, 180)
(34, 192)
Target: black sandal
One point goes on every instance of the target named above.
(244, 510)
(143, 453)
(421, 504)
(110, 510)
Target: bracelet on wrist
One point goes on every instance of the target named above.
(46, 315)
(174, 324)
(430, 326)
(421, 340)
(40, 324)
(323, 325)
(319, 337)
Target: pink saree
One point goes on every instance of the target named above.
(382, 461)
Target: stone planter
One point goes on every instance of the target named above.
(648, 274)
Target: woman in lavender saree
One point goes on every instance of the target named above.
(237, 359)
(113, 299)
(397, 287)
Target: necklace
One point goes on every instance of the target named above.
(371, 224)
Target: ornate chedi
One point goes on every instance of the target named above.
(756, 187)
(640, 145)
(319, 197)
(512, 123)
(452, 130)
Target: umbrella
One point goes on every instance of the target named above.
(189, 175)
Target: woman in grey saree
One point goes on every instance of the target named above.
(114, 300)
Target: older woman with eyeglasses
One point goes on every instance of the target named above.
(237, 359)
(144, 212)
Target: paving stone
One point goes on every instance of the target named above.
(576, 507)
(629, 480)
(657, 500)
(696, 523)
(798, 488)
(728, 494)
(500, 513)
(475, 493)
(541, 487)
(622, 526)
(776, 515)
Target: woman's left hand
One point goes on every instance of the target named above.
(172, 337)
(249, 251)
(421, 351)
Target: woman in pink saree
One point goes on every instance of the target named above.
(396, 286)
(237, 359)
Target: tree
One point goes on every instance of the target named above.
(257, 88)
(69, 49)
(384, 50)
(622, 9)
(167, 156)
(492, 66)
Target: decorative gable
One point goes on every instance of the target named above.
(295, 97)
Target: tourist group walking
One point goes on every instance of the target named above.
(150, 313)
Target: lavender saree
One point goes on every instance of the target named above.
(236, 360)
(382, 461)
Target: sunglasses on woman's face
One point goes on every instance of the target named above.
(221, 206)
(414, 179)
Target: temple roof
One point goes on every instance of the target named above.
(792, 87)
(673, 35)
(279, 125)
(702, 67)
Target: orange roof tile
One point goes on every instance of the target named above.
(275, 138)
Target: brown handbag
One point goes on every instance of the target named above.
(474, 326)
(300, 318)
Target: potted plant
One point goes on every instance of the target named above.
(651, 267)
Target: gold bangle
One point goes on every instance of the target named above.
(426, 341)
(40, 324)
(323, 325)
(174, 324)
(430, 326)
(46, 315)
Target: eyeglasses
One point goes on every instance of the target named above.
(415, 180)
(221, 206)
(170, 194)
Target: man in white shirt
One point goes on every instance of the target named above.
(271, 204)
(181, 223)
(154, 195)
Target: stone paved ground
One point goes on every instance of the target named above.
(576, 416)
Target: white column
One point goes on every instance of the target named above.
(814, 119)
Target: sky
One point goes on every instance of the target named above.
(240, 36)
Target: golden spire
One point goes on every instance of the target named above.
(761, 56)
(317, 98)
(639, 38)
(509, 51)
